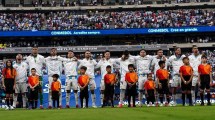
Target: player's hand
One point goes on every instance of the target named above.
(75, 59)
(164, 58)
(185, 82)
(4, 87)
(160, 86)
(211, 84)
(14, 86)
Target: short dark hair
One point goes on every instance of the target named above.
(130, 65)
(149, 74)
(108, 67)
(35, 47)
(33, 69)
(126, 52)
(70, 51)
(185, 58)
(53, 48)
(55, 76)
(194, 46)
(159, 50)
(87, 51)
(176, 48)
(161, 62)
(106, 51)
(204, 56)
(83, 68)
(142, 50)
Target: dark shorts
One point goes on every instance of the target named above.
(84, 93)
(34, 94)
(185, 87)
(109, 90)
(9, 83)
(151, 93)
(55, 95)
(205, 82)
(131, 90)
(164, 87)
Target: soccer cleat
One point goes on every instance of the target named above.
(60, 107)
(148, 105)
(77, 106)
(94, 106)
(67, 106)
(50, 107)
(191, 104)
(7, 108)
(202, 104)
(157, 104)
(161, 105)
(174, 104)
(11, 108)
(153, 105)
(41, 106)
(120, 106)
(209, 104)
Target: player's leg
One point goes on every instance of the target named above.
(50, 79)
(41, 92)
(129, 96)
(202, 88)
(193, 93)
(92, 85)
(36, 96)
(123, 86)
(75, 90)
(23, 92)
(153, 98)
(102, 87)
(140, 88)
(166, 92)
(188, 91)
(60, 96)
(207, 86)
(112, 95)
(86, 95)
(15, 95)
(68, 92)
(175, 84)
(134, 93)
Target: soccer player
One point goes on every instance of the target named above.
(124, 61)
(131, 78)
(102, 64)
(55, 90)
(150, 90)
(83, 82)
(175, 61)
(70, 64)
(90, 64)
(21, 80)
(33, 82)
(205, 79)
(163, 81)
(109, 81)
(9, 83)
(143, 63)
(186, 74)
(54, 66)
(195, 61)
(37, 61)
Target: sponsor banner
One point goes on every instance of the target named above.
(109, 31)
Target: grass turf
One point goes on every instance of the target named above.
(144, 113)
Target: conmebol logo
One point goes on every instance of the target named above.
(61, 33)
(158, 30)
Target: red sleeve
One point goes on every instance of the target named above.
(79, 80)
(126, 76)
(199, 68)
(3, 72)
(180, 69)
(29, 78)
(145, 85)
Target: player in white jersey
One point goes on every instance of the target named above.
(175, 61)
(102, 64)
(37, 61)
(90, 64)
(155, 65)
(195, 61)
(124, 61)
(54, 66)
(21, 79)
(143, 64)
(70, 67)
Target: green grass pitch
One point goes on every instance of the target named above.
(144, 113)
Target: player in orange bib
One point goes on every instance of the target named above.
(9, 83)
(33, 82)
(109, 80)
(55, 90)
(186, 74)
(131, 78)
(83, 82)
(205, 79)
(150, 90)
(163, 82)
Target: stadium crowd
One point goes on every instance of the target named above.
(184, 72)
(67, 20)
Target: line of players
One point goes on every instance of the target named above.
(145, 64)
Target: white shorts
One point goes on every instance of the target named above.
(21, 87)
(71, 83)
(92, 84)
(141, 80)
(51, 80)
(176, 81)
(102, 85)
(123, 83)
(195, 81)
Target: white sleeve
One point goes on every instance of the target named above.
(94, 62)
(99, 64)
(169, 63)
(80, 64)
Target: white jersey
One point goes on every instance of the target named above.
(155, 62)
(103, 63)
(21, 69)
(124, 65)
(176, 63)
(195, 61)
(54, 65)
(143, 64)
(70, 66)
(90, 64)
(36, 62)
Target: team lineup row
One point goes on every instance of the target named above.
(150, 73)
